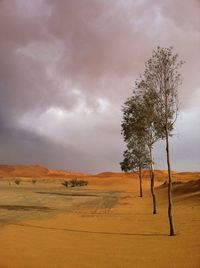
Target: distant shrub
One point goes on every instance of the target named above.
(17, 181)
(65, 183)
(75, 182)
(34, 181)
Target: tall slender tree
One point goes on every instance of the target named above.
(152, 135)
(139, 119)
(134, 132)
(162, 76)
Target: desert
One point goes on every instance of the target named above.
(103, 224)
(99, 134)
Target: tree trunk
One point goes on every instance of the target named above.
(170, 212)
(152, 183)
(140, 177)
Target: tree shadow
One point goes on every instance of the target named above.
(145, 214)
(25, 208)
(90, 232)
(69, 194)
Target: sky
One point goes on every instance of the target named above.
(67, 67)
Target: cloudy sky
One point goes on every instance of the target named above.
(66, 67)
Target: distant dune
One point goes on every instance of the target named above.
(35, 171)
(41, 172)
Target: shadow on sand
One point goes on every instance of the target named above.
(69, 194)
(87, 232)
(24, 208)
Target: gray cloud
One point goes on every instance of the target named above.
(66, 68)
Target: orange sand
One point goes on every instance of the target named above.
(127, 235)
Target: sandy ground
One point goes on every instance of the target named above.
(103, 225)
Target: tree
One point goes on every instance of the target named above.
(139, 119)
(162, 77)
(136, 157)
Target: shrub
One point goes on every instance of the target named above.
(34, 181)
(65, 183)
(75, 182)
(17, 181)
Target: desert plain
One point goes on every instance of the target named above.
(103, 224)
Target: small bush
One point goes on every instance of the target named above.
(17, 181)
(34, 181)
(65, 183)
(75, 182)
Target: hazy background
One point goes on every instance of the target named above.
(66, 67)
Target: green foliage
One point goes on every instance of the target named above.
(65, 183)
(162, 77)
(149, 114)
(136, 156)
(75, 183)
(17, 181)
(135, 131)
(133, 118)
(140, 115)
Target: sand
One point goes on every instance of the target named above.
(103, 225)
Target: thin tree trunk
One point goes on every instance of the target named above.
(170, 212)
(140, 177)
(152, 183)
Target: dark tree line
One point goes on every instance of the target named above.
(149, 115)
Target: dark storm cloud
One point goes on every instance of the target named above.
(66, 68)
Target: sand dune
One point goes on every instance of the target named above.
(23, 170)
(35, 171)
(40, 172)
